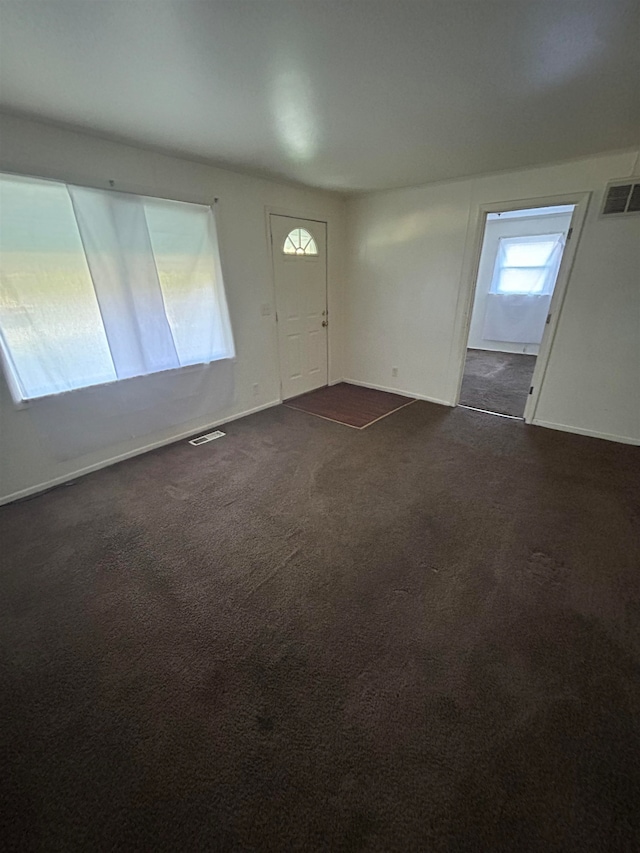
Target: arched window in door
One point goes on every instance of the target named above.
(299, 242)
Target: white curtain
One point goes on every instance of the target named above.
(515, 318)
(525, 274)
(114, 232)
(97, 286)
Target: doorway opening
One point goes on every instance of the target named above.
(521, 254)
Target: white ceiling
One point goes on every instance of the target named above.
(341, 94)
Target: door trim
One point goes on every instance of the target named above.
(470, 276)
(276, 211)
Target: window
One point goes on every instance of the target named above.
(300, 242)
(97, 286)
(527, 265)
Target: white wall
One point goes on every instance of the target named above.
(411, 253)
(118, 420)
(494, 230)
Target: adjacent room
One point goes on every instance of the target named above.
(320, 425)
(520, 261)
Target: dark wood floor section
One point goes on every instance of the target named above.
(347, 404)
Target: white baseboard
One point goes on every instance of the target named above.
(621, 439)
(65, 478)
(80, 472)
(398, 391)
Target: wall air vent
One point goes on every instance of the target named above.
(621, 197)
(203, 439)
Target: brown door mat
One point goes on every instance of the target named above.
(347, 404)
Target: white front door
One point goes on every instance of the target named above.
(299, 248)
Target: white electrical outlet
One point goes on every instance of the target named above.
(266, 309)
(394, 371)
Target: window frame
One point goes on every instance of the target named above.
(499, 267)
(303, 253)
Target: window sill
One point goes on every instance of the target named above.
(20, 405)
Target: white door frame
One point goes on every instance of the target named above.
(581, 202)
(270, 211)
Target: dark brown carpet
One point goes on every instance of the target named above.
(497, 381)
(348, 404)
(419, 637)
